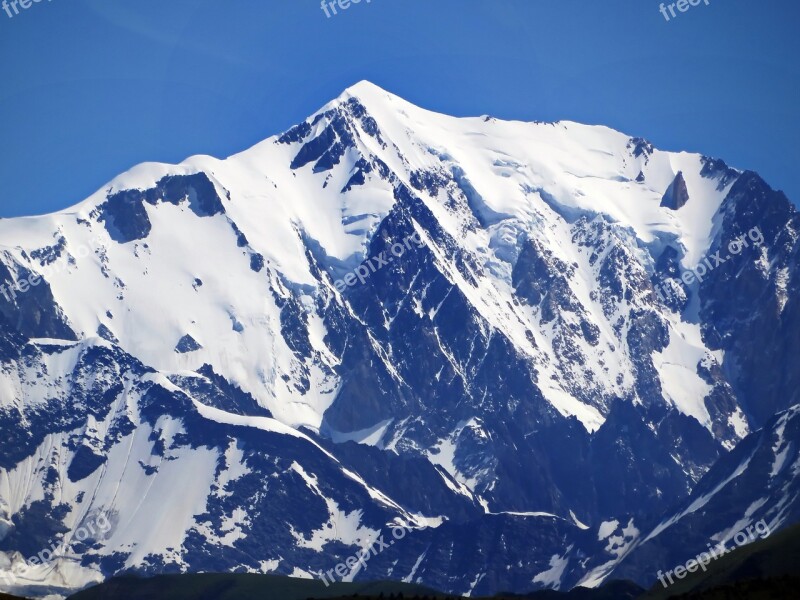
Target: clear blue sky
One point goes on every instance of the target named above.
(89, 88)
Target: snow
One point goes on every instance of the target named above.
(577, 521)
(568, 406)
(781, 285)
(262, 423)
(370, 436)
(739, 423)
(474, 584)
(525, 514)
(551, 578)
(142, 522)
(782, 446)
(342, 527)
(410, 577)
(443, 455)
(606, 529)
(618, 546)
(677, 367)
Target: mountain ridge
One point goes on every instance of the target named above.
(517, 371)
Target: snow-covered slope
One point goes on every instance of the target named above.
(404, 316)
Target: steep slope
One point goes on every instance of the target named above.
(756, 484)
(758, 565)
(387, 316)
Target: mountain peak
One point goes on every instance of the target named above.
(372, 97)
(365, 89)
(367, 94)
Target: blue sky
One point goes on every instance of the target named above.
(89, 88)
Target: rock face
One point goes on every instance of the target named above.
(677, 194)
(760, 473)
(406, 320)
(187, 344)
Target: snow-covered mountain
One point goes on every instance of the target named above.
(519, 340)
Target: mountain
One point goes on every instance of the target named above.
(519, 344)
(760, 476)
(765, 563)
